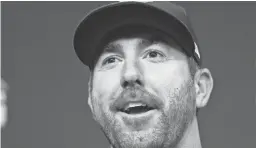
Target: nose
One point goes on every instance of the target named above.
(131, 75)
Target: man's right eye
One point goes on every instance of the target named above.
(110, 60)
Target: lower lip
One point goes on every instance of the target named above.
(138, 121)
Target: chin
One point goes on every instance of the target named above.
(162, 132)
(125, 135)
(150, 138)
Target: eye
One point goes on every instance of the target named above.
(111, 60)
(155, 56)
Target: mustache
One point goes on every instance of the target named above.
(136, 93)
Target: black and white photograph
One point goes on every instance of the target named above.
(128, 74)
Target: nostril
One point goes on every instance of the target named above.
(125, 84)
(131, 83)
(138, 82)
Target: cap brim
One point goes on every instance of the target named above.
(99, 22)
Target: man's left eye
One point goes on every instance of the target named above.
(154, 55)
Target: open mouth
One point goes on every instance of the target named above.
(136, 108)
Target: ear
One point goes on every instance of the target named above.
(204, 85)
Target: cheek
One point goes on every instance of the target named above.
(166, 78)
(105, 84)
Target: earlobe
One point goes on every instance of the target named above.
(204, 86)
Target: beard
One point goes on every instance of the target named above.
(168, 130)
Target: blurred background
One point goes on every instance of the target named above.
(47, 96)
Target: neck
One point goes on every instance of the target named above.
(191, 138)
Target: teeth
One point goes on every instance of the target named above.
(134, 105)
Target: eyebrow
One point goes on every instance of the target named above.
(111, 47)
(151, 40)
(144, 43)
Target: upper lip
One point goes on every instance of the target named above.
(140, 97)
(122, 105)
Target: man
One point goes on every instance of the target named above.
(146, 83)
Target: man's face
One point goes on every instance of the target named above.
(142, 93)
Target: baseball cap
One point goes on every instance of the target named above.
(163, 16)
